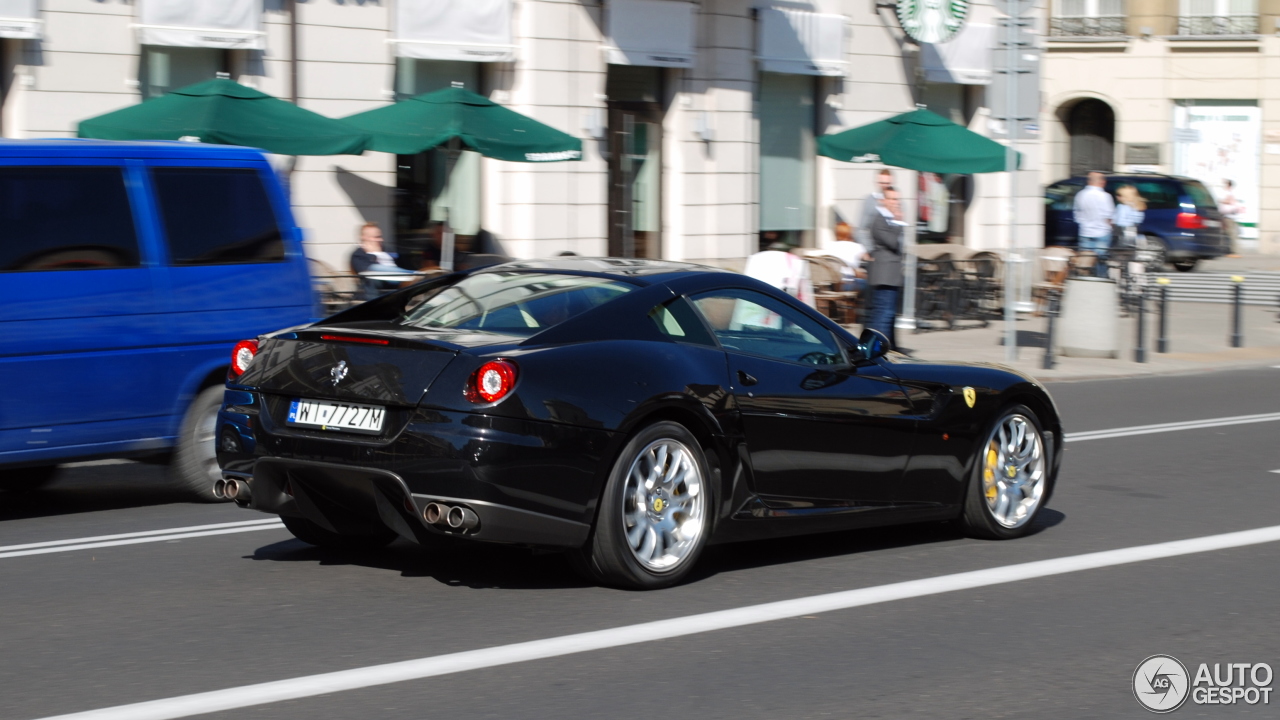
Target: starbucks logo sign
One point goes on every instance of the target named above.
(932, 21)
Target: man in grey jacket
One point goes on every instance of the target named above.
(871, 206)
(886, 264)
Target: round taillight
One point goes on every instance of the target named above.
(492, 381)
(241, 355)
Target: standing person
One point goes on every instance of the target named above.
(886, 264)
(871, 206)
(1093, 210)
(1129, 214)
(1232, 210)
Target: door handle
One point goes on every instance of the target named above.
(746, 378)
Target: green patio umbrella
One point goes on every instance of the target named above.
(471, 121)
(225, 112)
(918, 140)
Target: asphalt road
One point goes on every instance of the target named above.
(106, 626)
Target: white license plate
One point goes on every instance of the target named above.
(335, 415)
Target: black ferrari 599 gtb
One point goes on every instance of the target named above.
(627, 411)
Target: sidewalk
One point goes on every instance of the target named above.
(1198, 341)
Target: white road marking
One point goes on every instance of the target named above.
(1275, 471)
(135, 538)
(1170, 427)
(356, 678)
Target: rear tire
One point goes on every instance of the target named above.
(1009, 484)
(21, 480)
(312, 534)
(195, 469)
(655, 513)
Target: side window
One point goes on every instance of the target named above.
(216, 216)
(677, 320)
(1061, 196)
(750, 322)
(1159, 195)
(65, 218)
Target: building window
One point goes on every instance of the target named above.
(428, 191)
(168, 68)
(1088, 18)
(1218, 17)
(788, 116)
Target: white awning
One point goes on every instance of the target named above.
(474, 30)
(798, 42)
(20, 19)
(655, 33)
(964, 60)
(235, 24)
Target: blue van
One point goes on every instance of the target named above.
(128, 271)
(1182, 223)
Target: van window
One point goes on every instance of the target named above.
(216, 216)
(1060, 196)
(65, 218)
(1159, 194)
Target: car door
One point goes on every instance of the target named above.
(817, 428)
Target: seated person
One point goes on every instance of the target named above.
(852, 254)
(371, 258)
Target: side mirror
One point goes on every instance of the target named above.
(873, 344)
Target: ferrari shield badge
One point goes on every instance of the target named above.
(970, 396)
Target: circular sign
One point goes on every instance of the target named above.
(1161, 683)
(932, 21)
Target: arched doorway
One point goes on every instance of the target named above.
(1092, 127)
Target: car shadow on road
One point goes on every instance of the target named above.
(484, 566)
(92, 488)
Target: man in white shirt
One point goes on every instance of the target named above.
(1093, 210)
(871, 206)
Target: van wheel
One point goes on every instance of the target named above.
(1185, 265)
(28, 478)
(194, 469)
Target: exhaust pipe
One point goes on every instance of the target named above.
(461, 518)
(237, 491)
(220, 489)
(435, 513)
(231, 489)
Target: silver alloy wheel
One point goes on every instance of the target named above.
(1013, 473)
(663, 504)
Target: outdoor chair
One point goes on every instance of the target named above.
(336, 291)
(837, 304)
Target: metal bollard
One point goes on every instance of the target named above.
(1140, 349)
(1162, 339)
(1237, 334)
(1051, 313)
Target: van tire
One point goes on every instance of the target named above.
(27, 478)
(195, 469)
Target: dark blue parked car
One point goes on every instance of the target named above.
(1182, 217)
(127, 273)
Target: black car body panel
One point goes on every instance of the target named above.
(793, 447)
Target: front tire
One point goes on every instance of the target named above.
(26, 479)
(1185, 265)
(194, 468)
(1010, 480)
(655, 514)
(312, 534)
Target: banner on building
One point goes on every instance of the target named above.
(653, 33)
(474, 30)
(798, 42)
(228, 24)
(1219, 143)
(20, 19)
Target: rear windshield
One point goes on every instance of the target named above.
(1199, 194)
(510, 303)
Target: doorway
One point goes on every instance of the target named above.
(635, 161)
(1092, 126)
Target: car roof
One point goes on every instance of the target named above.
(639, 271)
(1132, 175)
(82, 148)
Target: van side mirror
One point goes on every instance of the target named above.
(873, 344)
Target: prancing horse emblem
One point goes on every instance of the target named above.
(970, 395)
(339, 372)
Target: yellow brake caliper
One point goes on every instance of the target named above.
(989, 472)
